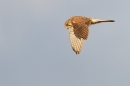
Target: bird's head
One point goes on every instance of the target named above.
(68, 24)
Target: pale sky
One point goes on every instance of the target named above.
(35, 48)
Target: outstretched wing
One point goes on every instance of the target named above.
(76, 43)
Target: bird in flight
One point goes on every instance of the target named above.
(78, 27)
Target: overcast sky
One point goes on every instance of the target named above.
(35, 48)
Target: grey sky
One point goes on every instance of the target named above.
(35, 48)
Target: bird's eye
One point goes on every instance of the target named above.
(68, 24)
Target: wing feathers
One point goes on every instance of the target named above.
(81, 30)
(76, 43)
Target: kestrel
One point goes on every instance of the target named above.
(78, 27)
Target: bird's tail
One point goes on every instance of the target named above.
(95, 21)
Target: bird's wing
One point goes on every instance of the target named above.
(81, 28)
(76, 42)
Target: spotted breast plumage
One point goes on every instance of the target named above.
(78, 27)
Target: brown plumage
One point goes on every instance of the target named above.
(78, 27)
